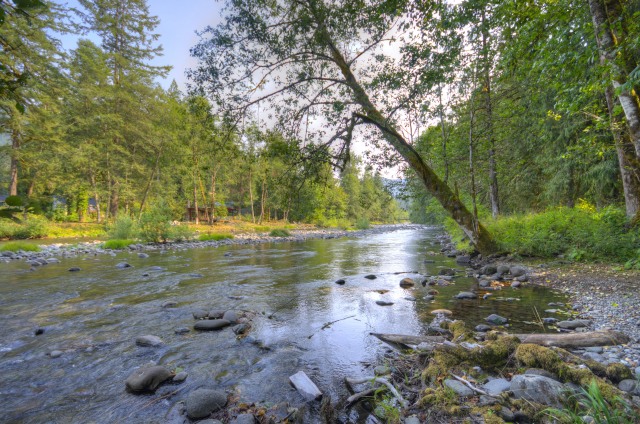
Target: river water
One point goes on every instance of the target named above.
(93, 316)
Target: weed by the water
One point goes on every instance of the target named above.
(261, 229)
(279, 233)
(15, 246)
(216, 237)
(117, 244)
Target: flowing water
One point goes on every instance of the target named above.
(93, 317)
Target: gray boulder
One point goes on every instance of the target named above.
(458, 387)
(149, 341)
(482, 328)
(463, 259)
(211, 324)
(230, 316)
(147, 379)
(572, 325)
(630, 386)
(496, 319)
(538, 389)
(517, 271)
(502, 269)
(539, 371)
(123, 265)
(202, 402)
(466, 295)
(488, 270)
(497, 386)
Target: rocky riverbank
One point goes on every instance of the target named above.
(50, 253)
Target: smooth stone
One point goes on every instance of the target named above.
(466, 295)
(143, 255)
(74, 269)
(370, 277)
(305, 386)
(572, 325)
(486, 296)
(383, 303)
(243, 419)
(522, 278)
(147, 379)
(517, 271)
(484, 283)
(429, 297)
(594, 356)
(412, 420)
(55, 353)
(181, 330)
(629, 386)
(180, 377)
(447, 271)
(595, 349)
(200, 403)
(410, 298)
(549, 320)
(502, 269)
(216, 314)
(149, 341)
(487, 400)
(497, 386)
(543, 373)
(230, 316)
(458, 387)
(211, 324)
(340, 281)
(123, 265)
(240, 329)
(200, 314)
(488, 270)
(407, 282)
(463, 259)
(169, 304)
(516, 284)
(496, 319)
(441, 312)
(483, 328)
(539, 389)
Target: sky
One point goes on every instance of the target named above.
(179, 20)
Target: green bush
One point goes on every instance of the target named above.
(117, 244)
(180, 233)
(279, 233)
(363, 223)
(216, 237)
(14, 246)
(261, 229)
(155, 223)
(122, 229)
(14, 201)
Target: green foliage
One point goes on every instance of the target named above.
(362, 224)
(581, 233)
(216, 237)
(388, 410)
(279, 232)
(117, 244)
(591, 402)
(14, 201)
(122, 229)
(181, 233)
(155, 223)
(15, 246)
(261, 229)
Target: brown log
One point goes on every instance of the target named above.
(564, 340)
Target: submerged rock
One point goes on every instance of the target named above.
(466, 295)
(370, 277)
(496, 319)
(383, 303)
(149, 341)
(123, 265)
(212, 324)
(407, 282)
(202, 402)
(243, 419)
(74, 269)
(147, 379)
(340, 281)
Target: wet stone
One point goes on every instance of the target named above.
(169, 304)
(496, 319)
(340, 281)
(200, 314)
(466, 295)
(55, 353)
(142, 255)
(243, 419)
(181, 330)
(147, 379)
(407, 282)
(201, 403)
(123, 265)
(230, 316)
(149, 341)
(370, 277)
(572, 325)
(211, 325)
(74, 269)
(180, 377)
(383, 303)
(240, 329)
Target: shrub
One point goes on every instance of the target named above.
(261, 229)
(14, 246)
(180, 233)
(363, 223)
(14, 201)
(155, 223)
(216, 237)
(122, 228)
(117, 244)
(279, 233)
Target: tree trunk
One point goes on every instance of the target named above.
(13, 173)
(444, 136)
(92, 180)
(195, 198)
(114, 199)
(478, 236)
(148, 186)
(605, 13)
(253, 214)
(212, 216)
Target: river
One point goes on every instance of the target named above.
(93, 316)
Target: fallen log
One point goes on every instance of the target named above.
(563, 340)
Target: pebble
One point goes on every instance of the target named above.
(383, 303)
(55, 353)
(180, 377)
(123, 265)
(181, 330)
(496, 319)
(458, 387)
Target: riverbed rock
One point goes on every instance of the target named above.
(340, 281)
(630, 386)
(370, 277)
(211, 324)
(147, 379)
(55, 353)
(143, 255)
(496, 319)
(463, 259)
(484, 283)
(517, 271)
(574, 324)
(502, 269)
(407, 282)
(230, 316)
(149, 341)
(488, 270)
(243, 419)
(169, 304)
(516, 284)
(383, 303)
(442, 312)
(429, 297)
(74, 269)
(447, 271)
(200, 314)
(458, 387)
(195, 275)
(305, 386)
(466, 295)
(180, 377)
(496, 386)
(540, 371)
(483, 328)
(240, 329)
(181, 330)
(123, 265)
(549, 320)
(200, 403)
(539, 389)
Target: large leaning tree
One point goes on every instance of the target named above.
(329, 69)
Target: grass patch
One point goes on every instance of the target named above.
(215, 237)
(261, 229)
(117, 244)
(279, 233)
(15, 246)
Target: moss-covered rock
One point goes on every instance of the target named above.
(618, 372)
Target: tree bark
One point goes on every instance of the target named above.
(478, 236)
(604, 14)
(13, 173)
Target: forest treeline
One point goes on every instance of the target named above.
(91, 130)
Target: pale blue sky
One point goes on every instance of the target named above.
(178, 22)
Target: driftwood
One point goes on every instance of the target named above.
(380, 380)
(564, 340)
